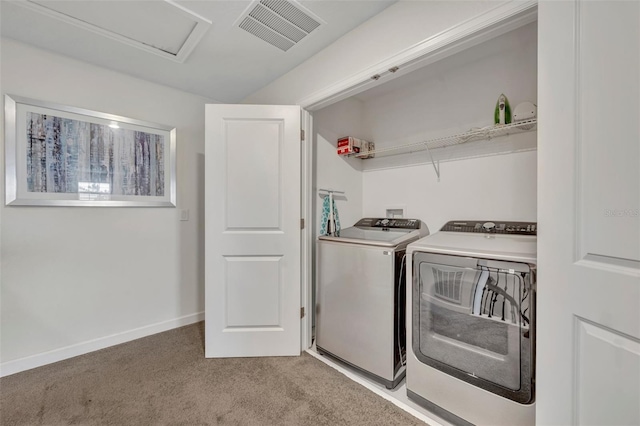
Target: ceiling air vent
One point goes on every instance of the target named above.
(280, 23)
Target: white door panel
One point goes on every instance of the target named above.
(588, 344)
(620, 354)
(608, 130)
(253, 289)
(252, 247)
(253, 180)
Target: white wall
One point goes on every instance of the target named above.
(393, 30)
(456, 93)
(500, 187)
(77, 279)
(446, 98)
(333, 171)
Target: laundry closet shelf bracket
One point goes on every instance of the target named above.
(477, 134)
(435, 164)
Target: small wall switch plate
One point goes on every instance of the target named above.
(184, 214)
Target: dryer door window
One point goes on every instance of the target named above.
(472, 319)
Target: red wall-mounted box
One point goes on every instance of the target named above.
(349, 145)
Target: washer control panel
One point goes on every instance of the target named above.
(492, 227)
(385, 222)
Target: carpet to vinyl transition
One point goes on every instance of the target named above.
(165, 379)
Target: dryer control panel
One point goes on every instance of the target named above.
(385, 222)
(492, 227)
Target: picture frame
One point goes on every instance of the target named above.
(57, 155)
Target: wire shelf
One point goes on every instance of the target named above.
(484, 133)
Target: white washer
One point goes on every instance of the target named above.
(471, 338)
(360, 309)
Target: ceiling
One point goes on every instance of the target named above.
(199, 46)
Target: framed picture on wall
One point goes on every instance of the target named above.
(58, 155)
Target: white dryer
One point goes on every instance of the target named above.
(471, 342)
(360, 310)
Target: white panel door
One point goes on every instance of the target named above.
(252, 231)
(588, 353)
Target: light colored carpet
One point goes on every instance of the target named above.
(166, 380)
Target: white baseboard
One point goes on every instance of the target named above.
(38, 360)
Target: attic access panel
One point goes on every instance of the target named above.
(160, 27)
(281, 23)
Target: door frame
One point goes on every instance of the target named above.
(503, 18)
(306, 243)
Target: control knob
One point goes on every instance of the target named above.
(488, 226)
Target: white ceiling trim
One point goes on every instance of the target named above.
(201, 26)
